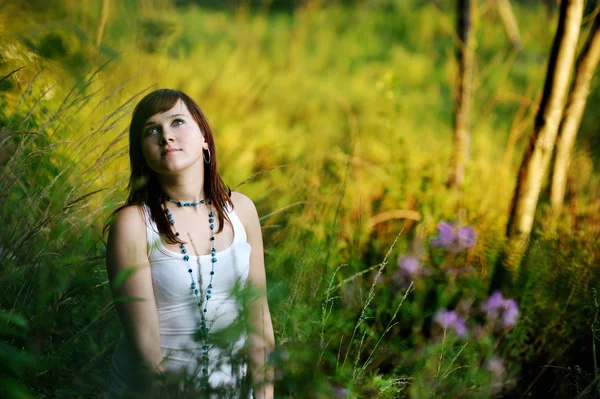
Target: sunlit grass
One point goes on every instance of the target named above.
(345, 115)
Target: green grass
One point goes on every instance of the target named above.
(345, 113)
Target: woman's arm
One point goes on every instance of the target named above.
(126, 255)
(261, 339)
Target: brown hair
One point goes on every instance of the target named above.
(143, 183)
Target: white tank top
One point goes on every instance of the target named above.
(171, 279)
(179, 314)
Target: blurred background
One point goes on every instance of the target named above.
(385, 234)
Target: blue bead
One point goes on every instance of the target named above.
(184, 251)
(209, 291)
(211, 220)
(180, 203)
(172, 221)
(193, 285)
(214, 260)
(210, 286)
(186, 257)
(214, 250)
(208, 297)
(196, 292)
(212, 226)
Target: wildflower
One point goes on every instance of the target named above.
(450, 320)
(496, 367)
(494, 302)
(340, 393)
(465, 237)
(445, 236)
(511, 312)
(454, 240)
(509, 308)
(409, 265)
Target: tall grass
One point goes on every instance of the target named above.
(337, 122)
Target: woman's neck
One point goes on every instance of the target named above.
(185, 187)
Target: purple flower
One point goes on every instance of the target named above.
(450, 320)
(494, 302)
(454, 240)
(510, 310)
(445, 236)
(409, 265)
(495, 365)
(465, 237)
(340, 393)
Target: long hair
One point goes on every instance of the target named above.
(143, 183)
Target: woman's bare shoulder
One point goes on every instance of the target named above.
(129, 216)
(126, 245)
(128, 224)
(244, 207)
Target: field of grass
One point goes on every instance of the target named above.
(336, 119)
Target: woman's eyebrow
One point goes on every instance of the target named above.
(170, 117)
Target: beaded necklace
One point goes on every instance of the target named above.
(203, 327)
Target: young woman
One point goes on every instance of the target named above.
(179, 253)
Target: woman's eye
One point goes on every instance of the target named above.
(177, 122)
(151, 130)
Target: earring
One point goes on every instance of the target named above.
(204, 156)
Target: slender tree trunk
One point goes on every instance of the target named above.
(510, 23)
(543, 137)
(584, 71)
(102, 22)
(464, 84)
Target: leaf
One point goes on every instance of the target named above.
(13, 318)
(122, 276)
(13, 389)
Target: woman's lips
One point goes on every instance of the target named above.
(169, 151)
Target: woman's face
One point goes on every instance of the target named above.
(172, 141)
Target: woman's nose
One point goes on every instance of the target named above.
(166, 136)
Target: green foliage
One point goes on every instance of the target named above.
(343, 118)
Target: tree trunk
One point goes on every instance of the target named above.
(462, 115)
(543, 137)
(584, 71)
(102, 23)
(510, 23)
